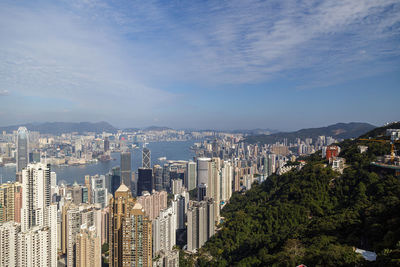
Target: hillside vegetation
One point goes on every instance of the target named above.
(314, 216)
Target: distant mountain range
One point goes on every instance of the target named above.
(338, 131)
(64, 127)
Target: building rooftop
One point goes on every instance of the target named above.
(122, 188)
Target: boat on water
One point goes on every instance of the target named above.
(10, 165)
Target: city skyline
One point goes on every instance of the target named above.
(276, 64)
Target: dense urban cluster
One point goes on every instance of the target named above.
(128, 217)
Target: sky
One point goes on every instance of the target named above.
(275, 64)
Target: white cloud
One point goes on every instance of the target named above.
(55, 55)
(4, 92)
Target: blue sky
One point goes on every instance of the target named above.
(200, 64)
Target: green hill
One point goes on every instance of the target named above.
(314, 216)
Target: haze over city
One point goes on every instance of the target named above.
(201, 64)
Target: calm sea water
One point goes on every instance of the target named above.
(171, 150)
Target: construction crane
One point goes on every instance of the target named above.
(392, 143)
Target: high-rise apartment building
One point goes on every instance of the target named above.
(99, 190)
(226, 181)
(130, 238)
(164, 231)
(214, 185)
(179, 205)
(7, 202)
(9, 243)
(73, 217)
(126, 168)
(88, 247)
(76, 193)
(72, 223)
(22, 148)
(153, 203)
(176, 186)
(17, 202)
(35, 195)
(34, 248)
(200, 223)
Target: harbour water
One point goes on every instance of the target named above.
(179, 150)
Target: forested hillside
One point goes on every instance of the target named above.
(314, 216)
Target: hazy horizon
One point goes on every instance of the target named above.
(193, 129)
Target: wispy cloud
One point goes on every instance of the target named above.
(4, 92)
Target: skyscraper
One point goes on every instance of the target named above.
(88, 247)
(115, 179)
(164, 228)
(22, 148)
(153, 203)
(166, 178)
(176, 186)
(106, 144)
(226, 181)
(203, 165)
(33, 248)
(99, 190)
(201, 224)
(191, 175)
(145, 181)
(130, 240)
(126, 169)
(214, 185)
(35, 195)
(7, 202)
(158, 177)
(146, 158)
(38, 218)
(9, 243)
(201, 192)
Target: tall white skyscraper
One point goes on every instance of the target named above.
(38, 218)
(164, 231)
(35, 195)
(226, 181)
(214, 185)
(34, 247)
(22, 148)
